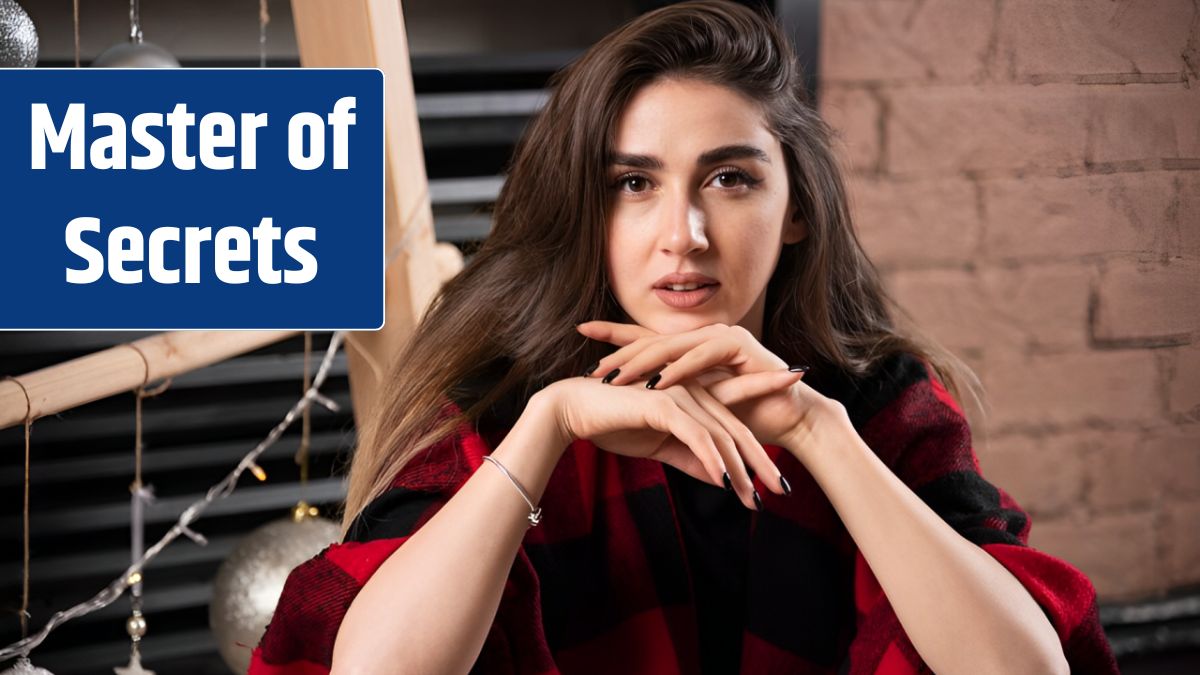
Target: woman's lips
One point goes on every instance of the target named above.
(687, 299)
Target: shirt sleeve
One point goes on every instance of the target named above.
(924, 437)
(316, 595)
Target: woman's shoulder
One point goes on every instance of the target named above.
(865, 395)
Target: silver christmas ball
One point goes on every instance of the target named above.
(135, 55)
(18, 37)
(251, 579)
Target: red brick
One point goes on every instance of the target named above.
(1183, 388)
(916, 222)
(905, 39)
(1036, 306)
(1181, 542)
(855, 114)
(1117, 552)
(1071, 389)
(1144, 121)
(1045, 476)
(1124, 471)
(1047, 303)
(933, 130)
(1179, 450)
(1048, 217)
(953, 306)
(1068, 36)
(1146, 301)
(1187, 212)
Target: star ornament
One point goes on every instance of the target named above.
(134, 667)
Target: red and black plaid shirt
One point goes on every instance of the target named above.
(604, 584)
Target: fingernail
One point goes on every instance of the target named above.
(787, 489)
(798, 369)
(653, 381)
(757, 501)
(611, 376)
(591, 369)
(728, 482)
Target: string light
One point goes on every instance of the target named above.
(221, 490)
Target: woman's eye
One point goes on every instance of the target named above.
(733, 178)
(633, 183)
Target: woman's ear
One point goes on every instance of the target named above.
(795, 229)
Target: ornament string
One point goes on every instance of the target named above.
(23, 612)
(264, 17)
(141, 495)
(135, 22)
(181, 527)
(76, 8)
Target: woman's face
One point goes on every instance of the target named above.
(698, 185)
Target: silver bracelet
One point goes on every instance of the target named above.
(535, 513)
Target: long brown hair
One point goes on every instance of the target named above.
(541, 269)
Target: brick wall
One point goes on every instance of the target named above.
(1027, 175)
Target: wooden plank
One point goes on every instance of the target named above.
(371, 34)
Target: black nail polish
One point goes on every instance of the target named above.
(757, 501)
(798, 369)
(591, 369)
(728, 482)
(654, 380)
(787, 489)
(611, 376)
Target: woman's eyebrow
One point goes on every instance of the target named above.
(728, 152)
(721, 154)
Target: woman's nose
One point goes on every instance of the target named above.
(684, 226)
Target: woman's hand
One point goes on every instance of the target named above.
(709, 355)
(685, 425)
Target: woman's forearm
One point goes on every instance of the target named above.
(430, 605)
(963, 611)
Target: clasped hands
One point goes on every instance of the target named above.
(708, 361)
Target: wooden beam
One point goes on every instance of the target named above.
(371, 34)
(119, 369)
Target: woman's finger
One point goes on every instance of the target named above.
(619, 334)
(666, 415)
(752, 452)
(649, 354)
(735, 465)
(680, 456)
(734, 390)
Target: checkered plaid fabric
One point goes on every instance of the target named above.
(603, 585)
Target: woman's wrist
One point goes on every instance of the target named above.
(533, 447)
(546, 407)
(819, 429)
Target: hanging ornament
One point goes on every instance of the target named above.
(18, 37)
(24, 667)
(140, 496)
(251, 579)
(135, 665)
(136, 53)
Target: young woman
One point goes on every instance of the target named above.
(675, 219)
